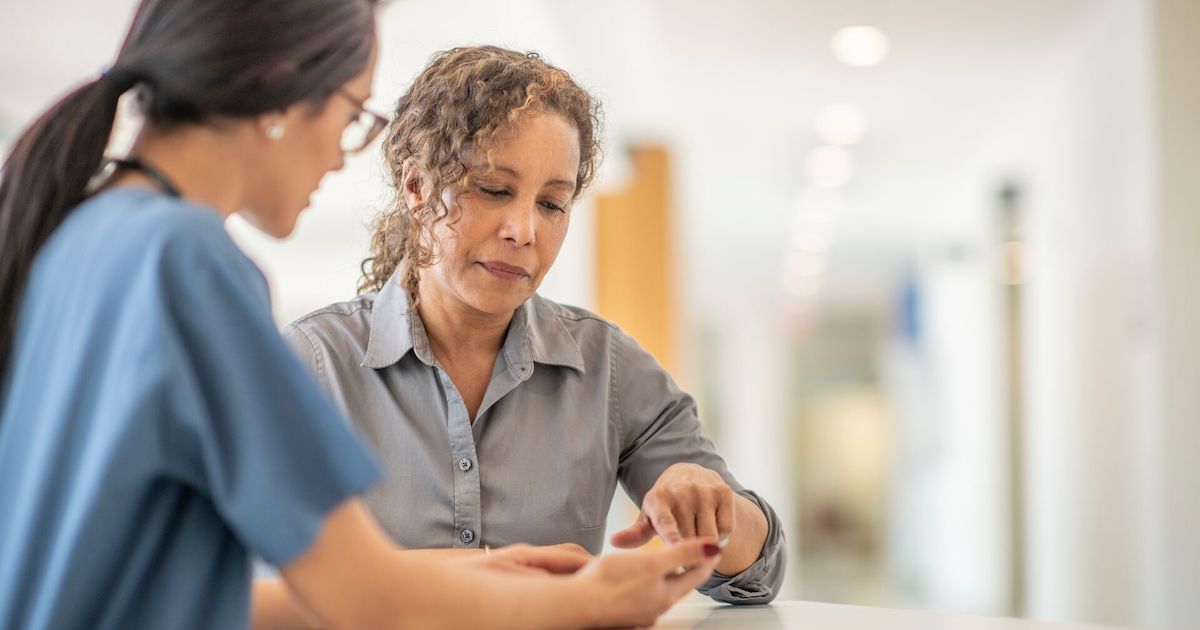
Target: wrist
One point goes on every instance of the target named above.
(748, 540)
(581, 596)
(682, 466)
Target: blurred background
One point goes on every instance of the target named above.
(927, 265)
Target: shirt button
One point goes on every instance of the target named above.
(464, 464)
(467, 536)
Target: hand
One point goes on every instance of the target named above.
(559, 559)
(634, 588)
(686, 501)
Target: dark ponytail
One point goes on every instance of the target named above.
(44, 177)
(192, 61)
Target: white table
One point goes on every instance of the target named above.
(783, 615)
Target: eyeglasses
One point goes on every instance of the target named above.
(365, 127)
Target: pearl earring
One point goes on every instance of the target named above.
(275, 131)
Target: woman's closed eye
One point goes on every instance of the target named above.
(501, 193)
(494, 192)
(550, 205)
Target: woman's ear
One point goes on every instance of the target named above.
(272, 126)
(413, 182)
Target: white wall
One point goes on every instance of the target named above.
(1079, 141)
(1111, 502)
(1172, 582)
(964, 521)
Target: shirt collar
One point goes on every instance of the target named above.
(535, 335)
(391, 335)
(545, 338)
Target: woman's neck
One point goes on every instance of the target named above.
(457, 331)
(206, 165)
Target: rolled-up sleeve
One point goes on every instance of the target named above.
(659, 428)
(759, 582)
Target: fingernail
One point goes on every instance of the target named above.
(711, 549)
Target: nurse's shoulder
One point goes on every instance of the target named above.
(179, 237)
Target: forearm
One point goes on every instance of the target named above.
(747, 540)
(419, 588)
(496, 599)
(352, 576)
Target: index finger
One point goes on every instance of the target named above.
(552, 559)
(574, 548)
(664, 524)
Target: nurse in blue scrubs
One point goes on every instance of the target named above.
(155, 431)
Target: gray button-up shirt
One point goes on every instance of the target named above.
(573, 406)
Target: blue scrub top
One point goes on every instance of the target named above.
(155, 431)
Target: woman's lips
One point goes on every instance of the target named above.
(504, 271)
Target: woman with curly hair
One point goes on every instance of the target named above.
(500, 416)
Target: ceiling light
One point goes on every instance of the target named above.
(860, 46)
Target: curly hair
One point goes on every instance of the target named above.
(456, 109)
